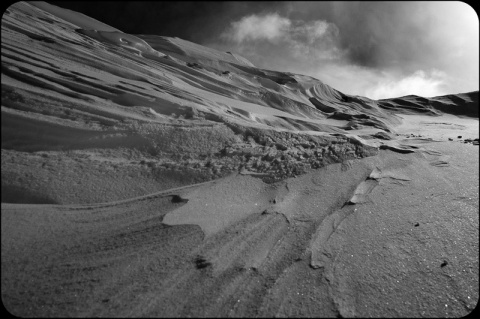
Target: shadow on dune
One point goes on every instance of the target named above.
(19, 195)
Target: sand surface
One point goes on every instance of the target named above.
(409, 248)
(147, 176)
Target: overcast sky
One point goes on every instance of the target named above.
(373, 49)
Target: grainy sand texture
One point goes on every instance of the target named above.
(148, 176)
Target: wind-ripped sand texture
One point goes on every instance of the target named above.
(150, 176)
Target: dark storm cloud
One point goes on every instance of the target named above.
(381, 48)
(190, 20)
(364, 27)
(372, 32)
(377, 34)
(365, 48)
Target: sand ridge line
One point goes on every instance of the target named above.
(175, 193)
(321, 255)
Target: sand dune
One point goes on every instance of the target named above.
(151, 176)
(465, 104)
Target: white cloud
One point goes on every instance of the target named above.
(419, 83)
(253, 27)
(382, 84)
(313, 41)
(275, 28)
(312, 31)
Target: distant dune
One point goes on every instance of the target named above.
(144, 175)
(458, 104)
